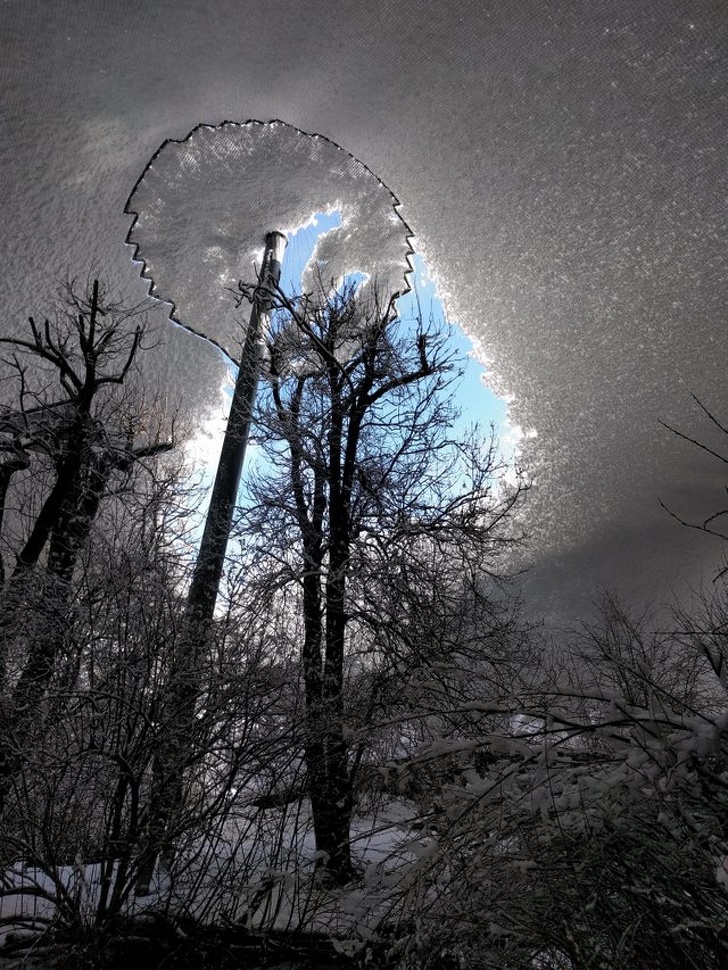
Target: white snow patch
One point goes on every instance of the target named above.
(204, 205)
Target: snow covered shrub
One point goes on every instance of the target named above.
(593, 833)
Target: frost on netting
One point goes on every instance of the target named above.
(203, 205)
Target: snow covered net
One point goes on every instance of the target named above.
(203, 205)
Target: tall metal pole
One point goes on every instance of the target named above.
(211, 557)
(183, 689)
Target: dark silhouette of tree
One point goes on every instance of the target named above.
(369, 509)
(71, 430)
(715, 523)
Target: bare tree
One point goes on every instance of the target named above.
(71, 433)
(81, 805)
(715, 523)
(367, 508)
(589, 829)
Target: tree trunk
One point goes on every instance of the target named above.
(331, 810)
(176, 746)
(68, 537)
(325, 750)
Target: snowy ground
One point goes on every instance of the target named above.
(259, 873)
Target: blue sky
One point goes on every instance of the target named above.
(478, 404)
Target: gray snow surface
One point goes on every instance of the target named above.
(563, 168)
